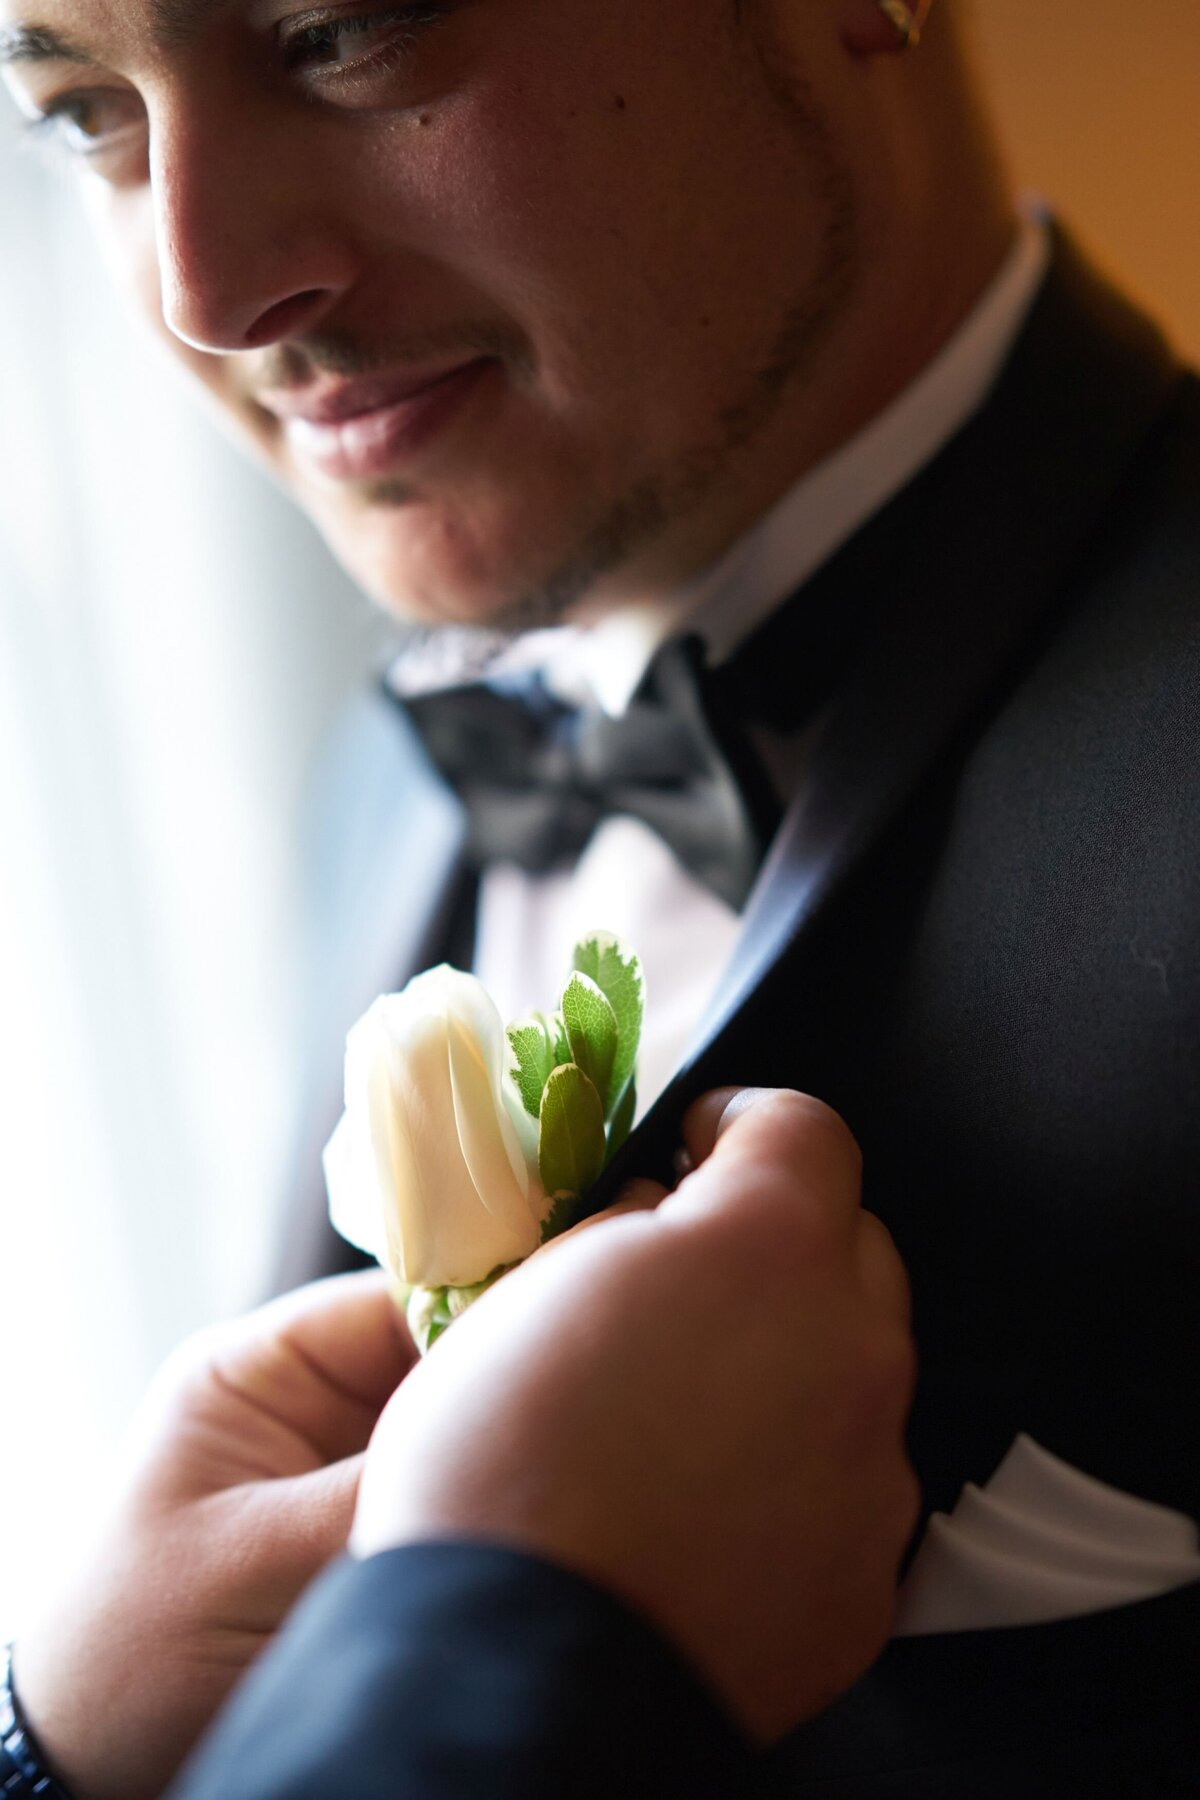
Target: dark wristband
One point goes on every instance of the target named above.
(23, 1771)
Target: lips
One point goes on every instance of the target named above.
(364, 430)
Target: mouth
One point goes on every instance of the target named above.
(364, 430)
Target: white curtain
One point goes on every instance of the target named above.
(174, 646)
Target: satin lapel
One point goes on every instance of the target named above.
(975, 557)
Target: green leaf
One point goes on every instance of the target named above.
(533, 1059)
(562, 1048)
(617, 972)
(560, 1216)
(571, 1145)
(622, 1123)
(591, 1026)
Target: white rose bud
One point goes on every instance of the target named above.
(433, 1168)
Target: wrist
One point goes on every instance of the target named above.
(24, 1770)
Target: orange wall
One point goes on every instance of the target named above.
(1099, 103)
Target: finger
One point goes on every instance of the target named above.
(702, 1123)
(635, 1196)
(881, 1273)
(289, 1529)
(321, 1362)
(350, 1330)
(787, 1158)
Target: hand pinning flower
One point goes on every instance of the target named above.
(463, 1147)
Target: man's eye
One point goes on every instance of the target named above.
(85, 124)
(346, 40)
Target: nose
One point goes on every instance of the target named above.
(248, 252)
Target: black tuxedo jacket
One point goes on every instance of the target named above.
(978, 936)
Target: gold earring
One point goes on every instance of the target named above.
(908, 20)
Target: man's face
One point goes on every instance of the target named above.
(515, 296)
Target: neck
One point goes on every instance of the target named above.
(908, 313)
(932, 219)
(910, 302)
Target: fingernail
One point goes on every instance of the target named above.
(741, 1102)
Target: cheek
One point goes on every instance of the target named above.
(604, 221)
(526, 192)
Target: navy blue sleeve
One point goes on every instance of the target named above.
(450, 1671)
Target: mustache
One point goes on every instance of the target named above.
(295, 364)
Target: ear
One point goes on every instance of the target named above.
(872, 28)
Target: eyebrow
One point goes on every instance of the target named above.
(177, 22)
(34, 43)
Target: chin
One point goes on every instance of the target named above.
(418, 588)
(422, 565)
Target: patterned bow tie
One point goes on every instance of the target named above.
(536, 776)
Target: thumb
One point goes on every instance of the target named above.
(777, 1157)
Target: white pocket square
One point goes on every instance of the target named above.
(1042, 1541)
